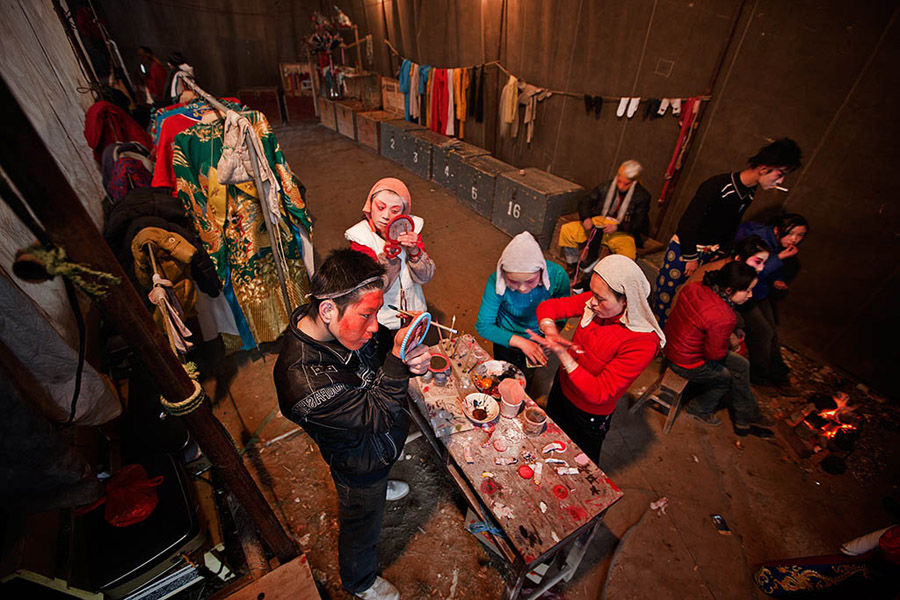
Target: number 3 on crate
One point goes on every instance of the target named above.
(514, 209)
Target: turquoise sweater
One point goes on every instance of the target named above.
(501, 317)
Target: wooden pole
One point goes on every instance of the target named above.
(32, 169)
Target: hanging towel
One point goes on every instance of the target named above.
(403, 85)
(473, 80)
(439, 100)
(479, 97)
(414, 102)
(450, 128)
(623, 275)
(509, 105)
(460, 88)
(424, 105)
(529, 95)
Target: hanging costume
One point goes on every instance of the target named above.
(229, 221)
(106, 123)
(407, 272)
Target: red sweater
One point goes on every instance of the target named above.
(105, 123)
(613, 356)
(699, 327)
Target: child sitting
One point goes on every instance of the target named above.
(523, 279)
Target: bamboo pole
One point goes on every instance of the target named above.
(32, 169)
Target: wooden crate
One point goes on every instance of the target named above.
(368, 127)
(299, 108)
(445, 161)
(475, 181)
(345, 114)
(396, 140)
(418, 158)
(532, 200)
(326, 113)
(366, 87)
(392, 100)
(263, 99)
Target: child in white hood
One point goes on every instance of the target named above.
(523, 279)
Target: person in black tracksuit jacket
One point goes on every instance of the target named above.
(707, 228)
(339, 376)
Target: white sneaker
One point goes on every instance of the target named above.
(381, 589)
(396, 489)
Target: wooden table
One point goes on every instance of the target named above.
(548, 523)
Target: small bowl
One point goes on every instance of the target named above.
(481, 408)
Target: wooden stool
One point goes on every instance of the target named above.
(665, 391)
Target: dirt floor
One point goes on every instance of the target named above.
(776, 504)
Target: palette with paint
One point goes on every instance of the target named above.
(488, 375)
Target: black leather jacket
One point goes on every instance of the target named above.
(354, 404)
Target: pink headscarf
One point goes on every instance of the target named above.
(391, 184)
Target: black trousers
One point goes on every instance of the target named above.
(586, 429)
(360, 515)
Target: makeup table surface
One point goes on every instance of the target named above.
(550, 520)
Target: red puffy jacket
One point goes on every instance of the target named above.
(699, 327)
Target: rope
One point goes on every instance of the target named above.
(192, 402)
(481, 526)
(499, 65)
(54, 260)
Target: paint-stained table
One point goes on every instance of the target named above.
(552, 522)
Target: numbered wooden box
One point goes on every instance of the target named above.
(532, 200)
(446, 161)
(419, 158)
(396, 138)
(345, 114)
(368, 127)
(326, 113)
(475, 182)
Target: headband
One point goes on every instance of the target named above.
(333, 295)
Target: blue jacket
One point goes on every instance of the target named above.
(772, 270)
(501, 317)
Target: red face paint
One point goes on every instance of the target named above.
(360, 321)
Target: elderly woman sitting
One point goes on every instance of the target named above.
(614, 342)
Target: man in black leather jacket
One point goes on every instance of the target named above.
(339, 375)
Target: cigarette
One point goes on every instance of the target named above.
(781, 189)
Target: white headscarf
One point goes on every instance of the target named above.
(624, 276)
(522, 255)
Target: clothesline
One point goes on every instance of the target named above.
(499, 65)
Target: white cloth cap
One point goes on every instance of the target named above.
(522, 255)
(624, 276)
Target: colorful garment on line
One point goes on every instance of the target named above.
(229, 222)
